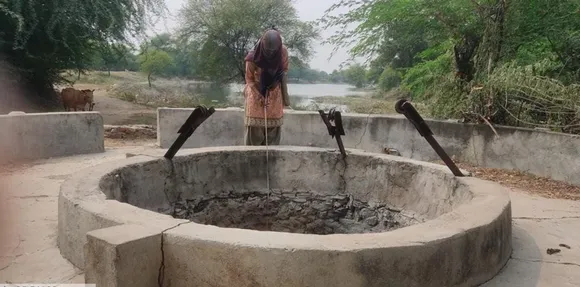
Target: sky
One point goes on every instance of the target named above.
(308, 10)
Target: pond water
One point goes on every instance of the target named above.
(313, 90)
(301, 94)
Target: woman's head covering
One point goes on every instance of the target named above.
(268, 52)
(267, 55)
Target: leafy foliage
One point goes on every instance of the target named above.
(301, 72)
(337, 76)
(356, 75)
(114, 57)
(227, 29)
(496, 61)
(40, 39)
(155, 62)
(183, 52)
(389, 79)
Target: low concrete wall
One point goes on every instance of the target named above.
(541, 153)
(45, 135)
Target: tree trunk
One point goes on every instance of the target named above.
(79, 74)
(464, 53)
(149, 79)
(489, 52)
(109, 70)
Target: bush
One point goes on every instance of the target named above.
(389, 79)
(423, 77)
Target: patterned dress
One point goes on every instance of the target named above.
(254, 107)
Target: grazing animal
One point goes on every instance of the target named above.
(89, 98)
(75, 99)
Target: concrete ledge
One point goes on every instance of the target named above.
(454, 250)
(474, 144)
(45, 135)
(465, 246)
(123, 256)
(82, 207)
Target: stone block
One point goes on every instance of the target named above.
(123, 256)
(45, 135)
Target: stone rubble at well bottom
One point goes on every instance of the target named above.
(291, 211)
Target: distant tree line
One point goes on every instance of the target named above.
(167, 55)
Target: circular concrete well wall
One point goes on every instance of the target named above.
(372, 220)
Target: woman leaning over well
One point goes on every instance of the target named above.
(266, 92)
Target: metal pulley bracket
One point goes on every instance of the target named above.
(336, 130)
(404, 107)
(197, 117)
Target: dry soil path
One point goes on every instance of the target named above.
(31, 255)
(119, 112)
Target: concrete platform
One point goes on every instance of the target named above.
(455, 225)
(31, 255)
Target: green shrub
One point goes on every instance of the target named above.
(389, 79)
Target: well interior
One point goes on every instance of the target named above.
(311, 190)
(289, 211)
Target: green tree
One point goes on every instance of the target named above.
(297, 67)
(227, 29)
(355, 75)
(155, 62)
(163, 42)
(114, 57)
(300, 71)
(323, 76)
(41, 39)
(169, 44)
(186, 58)
(337, 77)
(481, 60)
(373, 73)
(389, 79)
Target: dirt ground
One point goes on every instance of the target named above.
(119, 112)
(130, 135)
(532, 184)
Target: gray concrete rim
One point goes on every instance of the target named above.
(83, 208)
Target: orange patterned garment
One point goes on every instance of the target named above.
(254, 101)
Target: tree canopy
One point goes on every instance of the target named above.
(40, 39)
(155, 62)
(480, 60)
(356, 75)
(224, 31)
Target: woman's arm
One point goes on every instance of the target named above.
(285, 66)
(250, 77)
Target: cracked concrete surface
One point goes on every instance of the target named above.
(31, 254)
(161, 274)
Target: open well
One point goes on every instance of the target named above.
(372, 220)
